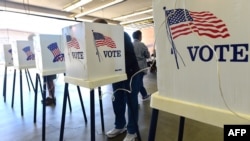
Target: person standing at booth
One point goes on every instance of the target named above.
(126, 94)
(142, 54)
(49, 80)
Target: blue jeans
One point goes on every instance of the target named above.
(131, 99)
(143, 91)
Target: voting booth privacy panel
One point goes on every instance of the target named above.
(94, 52)
(203, 60)
(6, 55)
(49, 53)
(23, 54)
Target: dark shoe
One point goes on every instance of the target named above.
(145, 98)
(50, 101)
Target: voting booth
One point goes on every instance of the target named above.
(94, 54)
(23, 54)
(6, 57)
(49, 53)
(23, 59)
(203, 60)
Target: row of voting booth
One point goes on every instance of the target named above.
(89, 54)
(85, 52)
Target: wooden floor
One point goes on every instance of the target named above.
(14, 127)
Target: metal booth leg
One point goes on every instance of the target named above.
(83, 109)
(66, 93)
(25, 71)
(35, 98)
(92, 114)
(153, 125)
(44, 109)
(29, 77)
(13, 88)
(181, 128)
(4, 83)
(101, 107)
(21, 91)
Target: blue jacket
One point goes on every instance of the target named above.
(131, 63)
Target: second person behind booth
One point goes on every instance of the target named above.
(142, 54)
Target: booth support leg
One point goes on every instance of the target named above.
(4, 83)
(66, 93)
(83, 109)
(92, 114)
(25, 71)
(101, 107)
(30, 79)
(70, 108)
(21, 91)
(13, 88)
(153, 125)
(40, 83)
(35, 98)
(44, 109)
(181, 128)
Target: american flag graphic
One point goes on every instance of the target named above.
(184, 22)
(30, 55)
(72, 42)
(101, 40)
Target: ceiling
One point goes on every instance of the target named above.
(55, 9)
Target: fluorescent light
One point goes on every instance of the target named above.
(76, 5)
(137, 20)
(98, 8)
(134, 14)
(30, 23)
(34, 13)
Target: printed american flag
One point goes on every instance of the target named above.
(54, 49)
(72, 42)
(183, 22)
(101, 40)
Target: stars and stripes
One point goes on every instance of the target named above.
(30, 55)
(184, 22)
(58, 56)
(54, 49)
(101, 40)
(72, 42)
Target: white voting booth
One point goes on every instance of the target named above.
(94, 54)
(6, 59)
(49, 53)
(203, 70)
(23, 59)
(6, 55)
(23, 54)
